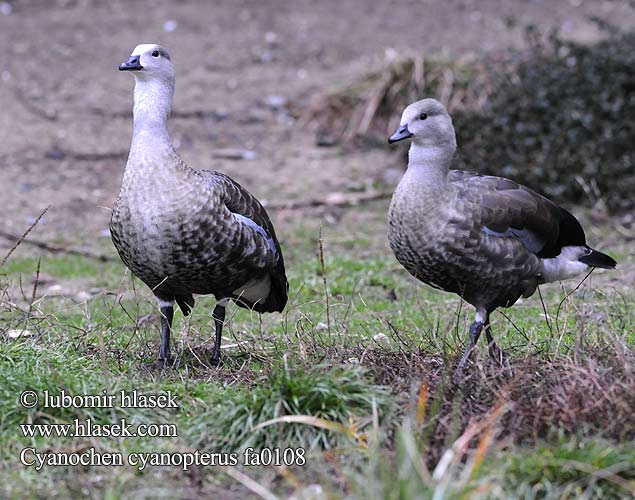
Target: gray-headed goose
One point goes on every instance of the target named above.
(184, 231)
(487, 239)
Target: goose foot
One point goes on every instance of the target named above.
(475, 332)
(159, 365)
(168, 363)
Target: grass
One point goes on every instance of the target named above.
(370, 398)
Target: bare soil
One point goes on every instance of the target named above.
(244, 69)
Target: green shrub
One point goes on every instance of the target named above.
(563, 123)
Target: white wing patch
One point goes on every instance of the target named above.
(248, 222)
(255, 290)
(528, 238)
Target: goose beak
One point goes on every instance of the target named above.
(132, 64)
(401, 134)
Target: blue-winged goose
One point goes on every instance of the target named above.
(184, 231)
(487, 239)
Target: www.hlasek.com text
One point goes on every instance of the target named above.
(88, 428)
(31, 457)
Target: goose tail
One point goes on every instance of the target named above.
(278, 295)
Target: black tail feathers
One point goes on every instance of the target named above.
(598, 259)
(278, 295)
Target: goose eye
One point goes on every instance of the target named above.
(423, 116)
(155, 53)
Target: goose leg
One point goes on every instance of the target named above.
(167, 313)
(219, 319)
(475, 332)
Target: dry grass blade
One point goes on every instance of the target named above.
(422, 403)
(367, 107)
(350, 431)
(610, 474)
(458, 450)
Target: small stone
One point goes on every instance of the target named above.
(311, 492)
(55, 153)
(234, 154)
(15, 334)
(276, 101)
(326, 140)
(266, 56)
(381, 338)
(271, 38)
(169, 26)
(82, 296)
(54, 290)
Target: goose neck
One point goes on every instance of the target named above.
(152, 105)
(429, 164)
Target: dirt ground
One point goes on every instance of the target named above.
(242, 65)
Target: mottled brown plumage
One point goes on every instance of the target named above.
(184, 231)
(487, 239)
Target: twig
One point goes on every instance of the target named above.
(569, 295)
(48, 247)
(77, 156)
(34, 293)
(187, 114)
(544, 309)
(29, 105)
(20, 239)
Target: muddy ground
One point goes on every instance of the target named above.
(245, 70)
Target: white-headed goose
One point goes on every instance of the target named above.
(184, 231)
(487, 239)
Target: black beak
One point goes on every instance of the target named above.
(401, 134)
(132, 64)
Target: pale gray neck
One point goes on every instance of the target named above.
(152, 155)
(429, 165)
(152, 105)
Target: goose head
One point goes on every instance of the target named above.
(149, 61)
(428, 124)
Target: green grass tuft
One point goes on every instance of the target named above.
(336, 394)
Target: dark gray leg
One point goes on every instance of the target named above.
(475, 332)
(219, 319)
(167, 313)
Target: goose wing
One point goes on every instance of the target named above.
(254, 230)
(508, 209)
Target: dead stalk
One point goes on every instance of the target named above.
(24, 235)
(324, 280)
